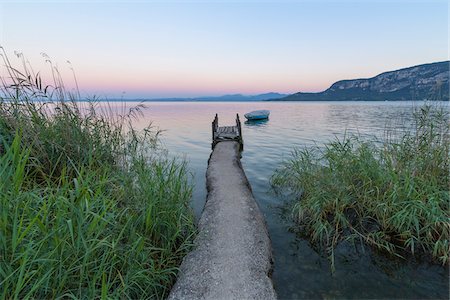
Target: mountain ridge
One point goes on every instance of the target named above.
(420, 82)
(228, 98)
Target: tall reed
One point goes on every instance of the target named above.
(392, 194)
(89, 206)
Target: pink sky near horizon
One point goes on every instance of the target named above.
(116, 83)
(174, 83)
(197, 85)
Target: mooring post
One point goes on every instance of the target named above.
(215, 125)
(238, 125)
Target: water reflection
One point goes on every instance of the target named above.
(262, 122)
(299, 270)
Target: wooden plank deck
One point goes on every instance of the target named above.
(226, 133)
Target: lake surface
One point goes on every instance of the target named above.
(299, 271)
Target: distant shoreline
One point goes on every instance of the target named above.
(251, 101)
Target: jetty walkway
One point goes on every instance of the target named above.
(232, 258)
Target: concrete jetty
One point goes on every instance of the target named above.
(232, 258)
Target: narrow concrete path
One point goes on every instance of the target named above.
(232, 258)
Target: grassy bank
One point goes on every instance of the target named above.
(392, 195)
(89, 207)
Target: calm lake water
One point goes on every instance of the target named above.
(299, 271)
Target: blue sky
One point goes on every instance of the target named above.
(195, 48)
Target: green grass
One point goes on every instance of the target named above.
(89, 206)
(393, 195)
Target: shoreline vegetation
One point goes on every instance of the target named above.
(392, 195)
(89, 206)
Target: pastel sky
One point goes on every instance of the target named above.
(151, 49)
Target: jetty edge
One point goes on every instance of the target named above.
(232, 258)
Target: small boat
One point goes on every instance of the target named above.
(257, 115)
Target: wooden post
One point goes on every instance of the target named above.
(238, 125)
(215, 125)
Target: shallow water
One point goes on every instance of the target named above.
(299, 271)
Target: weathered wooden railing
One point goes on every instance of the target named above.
(239, 127)
(227, 133)
(215, 126)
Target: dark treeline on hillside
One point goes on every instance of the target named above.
(423, 82)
